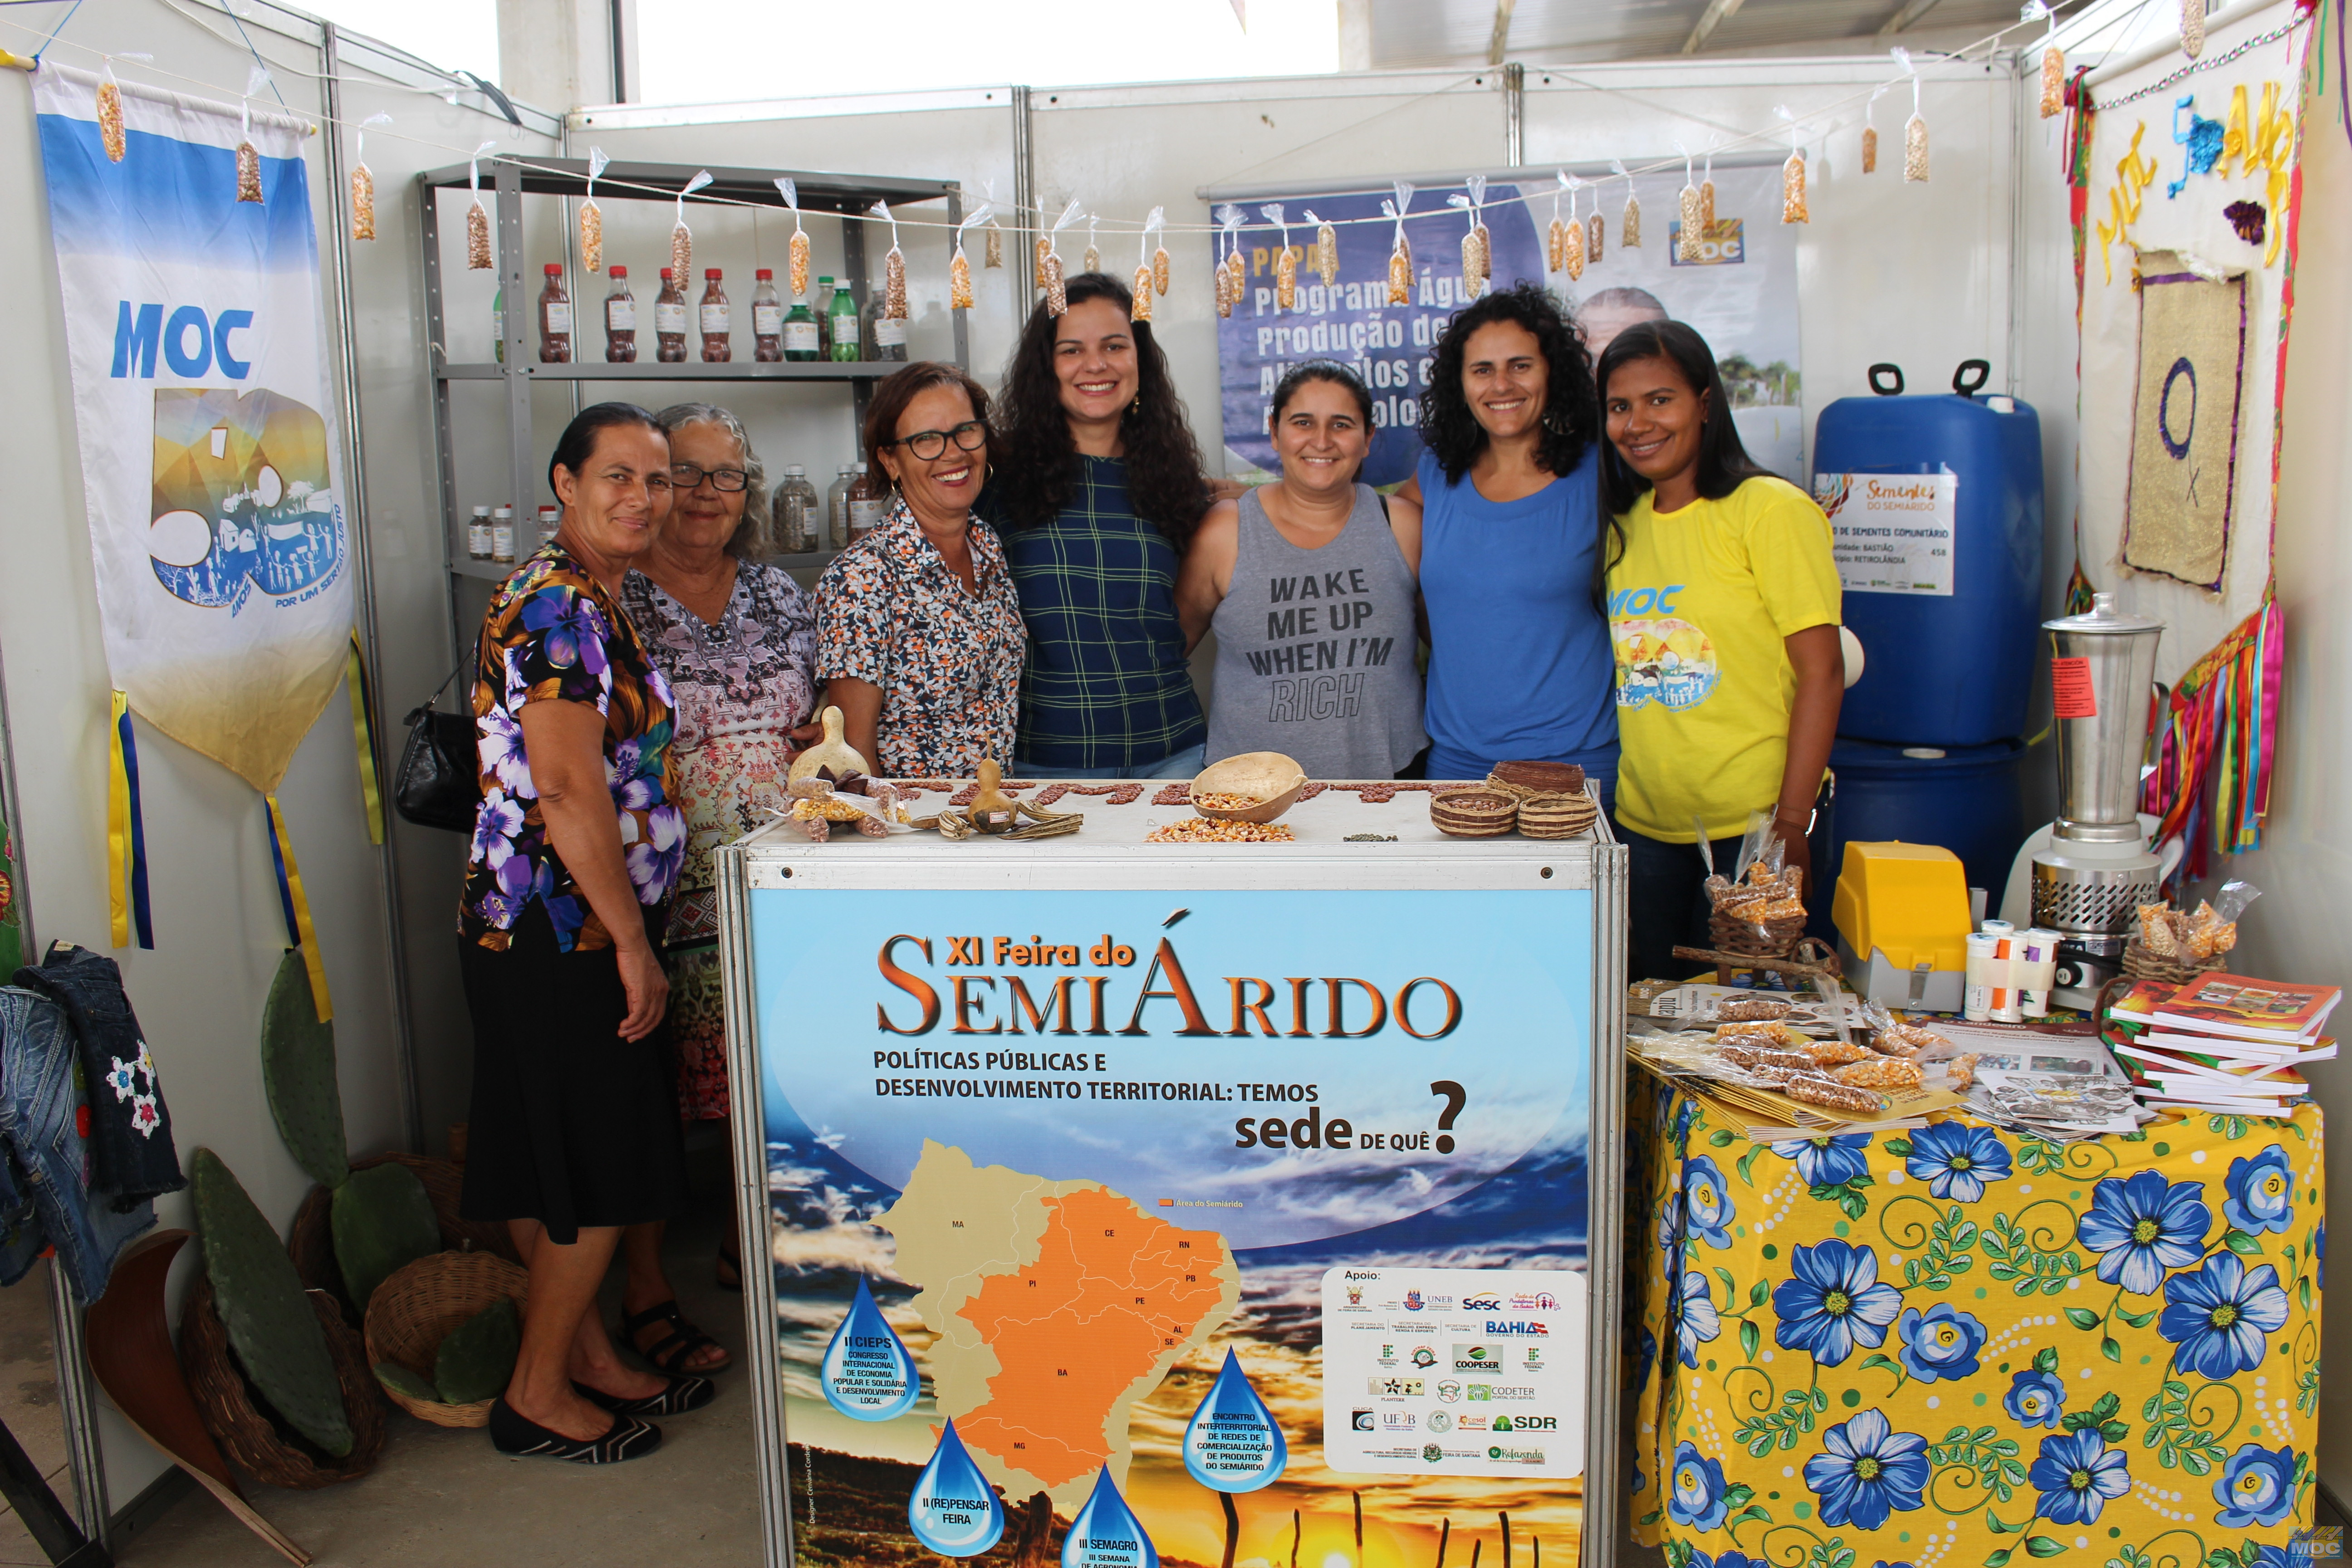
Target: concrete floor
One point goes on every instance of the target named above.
(447, 1496)
(28, 1403)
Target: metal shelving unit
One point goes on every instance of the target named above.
(509, 180)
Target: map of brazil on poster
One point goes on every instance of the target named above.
(1085, 1207)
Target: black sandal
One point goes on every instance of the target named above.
(626, 1438)
(683, 1394)
(669, 1352)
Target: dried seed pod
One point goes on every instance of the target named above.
(799, 262)
(1596, 230)
(1629, 227)
(1706, 207)
(2053, 82)
(1141, 310)
(477, 239)
(1556, 246)
(363, 202)
(994, 254)
(1793, 191)
(1224, 291)
(1870, 149)
(1057, 302)
(1159, 270)
(1094, 259)
(109, 119)
(1045, 249)
(1326, 255)
(2192, 30)
(1914, 148)
(1400, 273)
(1285, 281)
(960, 282)
(248, 172)
(681, 254)
(894, 285)
(1572, 256)
(591, 236)
(1686, 241)
(1486, 252)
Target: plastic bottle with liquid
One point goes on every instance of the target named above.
(796, 509)
(836, 507)
(477, 535)
(848, 339)
(550, 520)
(885, 339)
(718, 348)
(669, 321)
(869, 503)
(502, 540)
(823, 309)
(767, 319)
(801, 334)
(554, 318)
(620, 320)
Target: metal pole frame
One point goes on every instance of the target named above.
(1514, 114)
(1025, 201)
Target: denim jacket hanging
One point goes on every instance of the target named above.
(130, 1128)
(42, 1121)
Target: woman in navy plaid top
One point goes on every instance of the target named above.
(1099, 494)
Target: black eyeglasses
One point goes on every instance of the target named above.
(688, 475)
(969, 436)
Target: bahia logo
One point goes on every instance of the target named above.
(1515, 1326)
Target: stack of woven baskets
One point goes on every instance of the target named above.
(1552, 801)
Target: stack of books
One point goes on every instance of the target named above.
(2222, 1043)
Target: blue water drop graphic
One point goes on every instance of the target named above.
(867, 1373)
(955, 1510)
(1233, 1444)
(1107, 1534)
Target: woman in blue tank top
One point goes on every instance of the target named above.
(1511, 561)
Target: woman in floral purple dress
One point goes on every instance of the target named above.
(576, 844)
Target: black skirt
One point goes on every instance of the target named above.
(571, 1125)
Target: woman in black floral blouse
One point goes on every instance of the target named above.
(919, 634)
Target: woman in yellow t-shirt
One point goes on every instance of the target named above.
(1723, 610)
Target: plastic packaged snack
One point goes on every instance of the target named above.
(1814, 1090)
(1881, 1072)
(110, 121)
(1768, 1030)
(1749, 1009)
(1836, 1053)
(1757, 1056)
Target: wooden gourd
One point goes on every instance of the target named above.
(991, 810)
(833, 752)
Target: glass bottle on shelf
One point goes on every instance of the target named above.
(796, 512)
(885, 339)
(767, 319)
(477, 535)
(824, 317)
(502, 541)
(669, 321)
(717, 347)
(498, 325)
(801, 333)
(550, 520)
(847, 339)
(620, 320)
(554, 318)
(837, 509)
(869, 503)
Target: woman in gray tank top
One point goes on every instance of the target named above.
(1309, 584)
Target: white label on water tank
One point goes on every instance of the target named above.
(1892, 533)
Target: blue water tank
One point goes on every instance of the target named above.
(1941, 668)
(1967, 799)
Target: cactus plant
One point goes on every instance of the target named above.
(270, 1323)
(401, 1381)
(382, 1222)
(298, 1069)
(476, 1358)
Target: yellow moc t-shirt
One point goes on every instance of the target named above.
(1697, 609)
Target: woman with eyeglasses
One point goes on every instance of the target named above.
(577, 841)
(737, 639)
(918, 627)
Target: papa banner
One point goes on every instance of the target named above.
(197, 339)
(1739, 291)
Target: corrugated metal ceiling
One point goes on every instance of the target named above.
(1406, 33)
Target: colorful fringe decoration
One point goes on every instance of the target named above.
(2215, 742)
(2080, 597)
(364, 737)
(300, 932)
(126, 835)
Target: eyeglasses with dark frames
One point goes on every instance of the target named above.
(969, 436)
(688, 475)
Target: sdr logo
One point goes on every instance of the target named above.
(1527, 1424)
(1488, 1302)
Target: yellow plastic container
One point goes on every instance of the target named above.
(1907, 902)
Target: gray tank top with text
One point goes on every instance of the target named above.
(1315, 650)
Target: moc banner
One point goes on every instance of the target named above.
(201, 399)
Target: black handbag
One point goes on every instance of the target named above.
(439, 781)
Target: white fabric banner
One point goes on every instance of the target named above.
(205, 410)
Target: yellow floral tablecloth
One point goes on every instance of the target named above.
(1963, 1347)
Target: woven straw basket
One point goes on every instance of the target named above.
(2139, 963)
(411, 1312)
(234, 1413)
(312, 1241)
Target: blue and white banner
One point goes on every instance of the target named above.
(205, 410)
(1739, 291)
